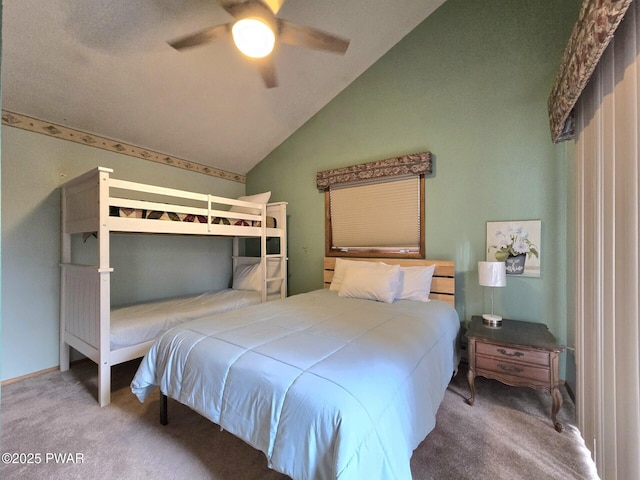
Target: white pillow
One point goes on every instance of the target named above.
(257, 198)
(342, 266)
(380, 282)
(417, 283)
(249, 276)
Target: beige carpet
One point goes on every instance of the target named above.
(507, 434)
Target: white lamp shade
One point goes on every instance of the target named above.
(492, 274)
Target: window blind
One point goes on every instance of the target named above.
(384, 215)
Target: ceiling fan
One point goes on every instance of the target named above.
(255, 31)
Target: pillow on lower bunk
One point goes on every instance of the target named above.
(249, 276)
(257, 198)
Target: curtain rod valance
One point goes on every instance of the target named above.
(412, 164)
(597, 22)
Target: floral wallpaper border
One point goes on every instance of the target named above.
(596, 24)
(47, 128)
(411, 164)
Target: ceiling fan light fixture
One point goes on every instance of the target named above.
(253, 37)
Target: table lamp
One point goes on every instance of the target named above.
(492, 274)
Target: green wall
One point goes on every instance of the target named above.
(469, 84)
(145, 266)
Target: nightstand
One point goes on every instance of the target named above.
(521, 354)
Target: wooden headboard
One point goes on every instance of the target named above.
(442, 285)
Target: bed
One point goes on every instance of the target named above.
(329, 384)
(97, 204)
(137, 324)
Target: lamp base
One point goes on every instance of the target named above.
(491, 320)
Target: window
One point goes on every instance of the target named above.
(378, 216)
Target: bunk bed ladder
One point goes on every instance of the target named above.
(279, 213)
(281, 219)
(263, 252)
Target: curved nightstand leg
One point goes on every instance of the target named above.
(471, 379)
(557, 403)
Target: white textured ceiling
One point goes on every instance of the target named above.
(104, 67)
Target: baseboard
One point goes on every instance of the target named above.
(9, 381)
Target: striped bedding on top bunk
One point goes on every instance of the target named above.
(185, 217)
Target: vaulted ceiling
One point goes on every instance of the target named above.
(104, 67)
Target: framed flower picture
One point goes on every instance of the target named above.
(517, 243)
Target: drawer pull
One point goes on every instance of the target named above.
(510, 368)
(504, 352)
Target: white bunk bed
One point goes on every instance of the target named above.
(89, 203)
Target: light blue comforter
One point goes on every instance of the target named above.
(327, 387)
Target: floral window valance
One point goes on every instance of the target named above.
(597, 22)
(412, 164)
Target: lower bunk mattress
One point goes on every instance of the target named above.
(326, 387)
(136, 324)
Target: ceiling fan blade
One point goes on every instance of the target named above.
(293, 34)
(268, 72)
(201, 37)
(239, 9)
(274, 5)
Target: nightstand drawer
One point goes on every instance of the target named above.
(502, 367)
(522, 355)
